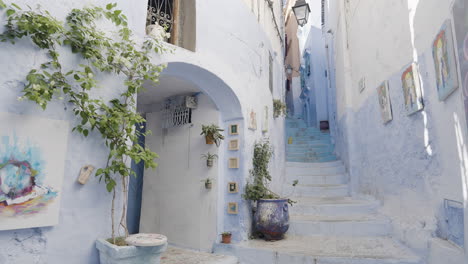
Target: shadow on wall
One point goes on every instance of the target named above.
(416, 161)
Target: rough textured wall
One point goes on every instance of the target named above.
(414, 162)
(237, 51)
(84, 210)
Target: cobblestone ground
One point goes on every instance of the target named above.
(182, 256)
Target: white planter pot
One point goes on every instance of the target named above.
(112, 254)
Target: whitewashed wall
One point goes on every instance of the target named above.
(235, 50)
(175, 201)
(413, 163)
(84, 210)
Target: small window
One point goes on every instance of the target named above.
(177, 17)
(323, 12)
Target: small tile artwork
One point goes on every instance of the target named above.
(233, 144)
(233, 208)
(233, 163)
(232, 187)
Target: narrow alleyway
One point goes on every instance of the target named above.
(327, 224)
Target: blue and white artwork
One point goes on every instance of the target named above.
(32, 156)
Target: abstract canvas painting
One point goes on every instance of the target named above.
(411, 84)
(460, 20)
(384, 102)
(444, 62)
(32, 159)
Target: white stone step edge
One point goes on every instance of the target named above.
(314, 165)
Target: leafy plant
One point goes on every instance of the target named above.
(226, 233)
(209, 156)
(115, 55)
(212, 132)
(207, 181)
(258, 189)
(279, 108)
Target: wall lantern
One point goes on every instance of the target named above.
(301, 10)
(289, 69)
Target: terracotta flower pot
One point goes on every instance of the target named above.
(208, 185)
(209, 140)
(226, 239)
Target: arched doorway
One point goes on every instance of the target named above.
(174, 200)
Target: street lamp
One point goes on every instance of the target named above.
(289, 70)
(301, 10)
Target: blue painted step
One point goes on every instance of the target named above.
(309, 144)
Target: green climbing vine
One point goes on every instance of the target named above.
(102, 52)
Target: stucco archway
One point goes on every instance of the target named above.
(228, 106)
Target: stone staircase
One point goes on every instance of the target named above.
(307, 144)
(327, 225)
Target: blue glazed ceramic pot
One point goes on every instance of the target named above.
(272, 218)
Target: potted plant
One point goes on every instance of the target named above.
(279, 108)
(226, 237)
(271, 214)
(212, 134)
(208, 183)
(209, 158)
(115, 118)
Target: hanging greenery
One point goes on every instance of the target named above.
(102, 53)
(258, 188)
(279, 108)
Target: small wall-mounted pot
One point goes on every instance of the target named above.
(209, 163)
(226, 238)
(209, 140)
(208, 185)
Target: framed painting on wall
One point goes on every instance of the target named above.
(234, 129)
(233, 144)
(460, 18)
(444, 61)
(233, 208)
(384, 102)
(32, 161)
(233, 163)
(232, 187)
(252, 120)
(411, 85)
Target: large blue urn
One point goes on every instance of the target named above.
(272, 218)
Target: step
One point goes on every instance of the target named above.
(345, 225)
(333, 206)
(317, 190)
(321, 250)
(309, 145)
(311, 141)
(319, 149)
(317, 179)
(312, 160)
(306, 134)
(309, 154)
(175, 255)
(317, 171)
(334, 163)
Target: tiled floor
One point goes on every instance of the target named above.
(182, 256)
